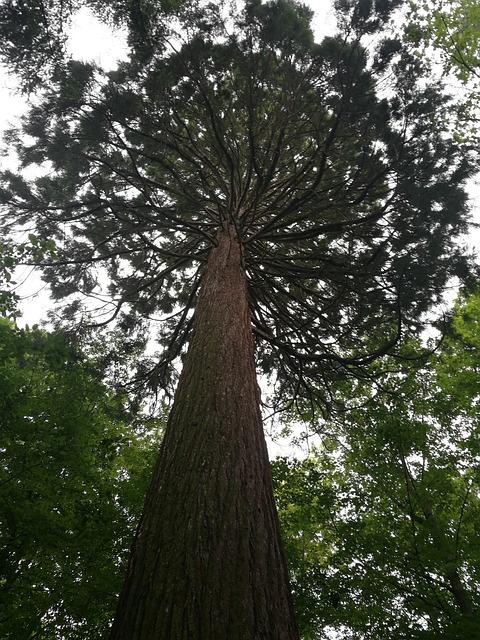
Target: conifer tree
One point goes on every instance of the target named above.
(263, 196)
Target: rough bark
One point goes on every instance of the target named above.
(207, 561)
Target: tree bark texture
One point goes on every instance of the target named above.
(207, 561)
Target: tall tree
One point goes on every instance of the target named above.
(242, 171)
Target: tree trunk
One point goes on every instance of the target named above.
(207, 561)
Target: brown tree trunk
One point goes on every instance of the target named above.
(207, 561)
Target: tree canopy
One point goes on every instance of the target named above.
(34, 35)
(346, 197)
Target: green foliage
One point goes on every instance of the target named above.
(453, 28)
(447, 33)
(390, 503)
(8, 298)
(74, 466)
(33, 252)
(305, 498)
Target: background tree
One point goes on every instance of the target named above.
(453, 28)
(381, 523)
(448, 33)
(243, 160)
(74, 466)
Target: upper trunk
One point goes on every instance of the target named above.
(207, 561)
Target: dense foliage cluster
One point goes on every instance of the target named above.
(73, 473)
(381, 523)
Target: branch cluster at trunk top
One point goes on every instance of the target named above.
(347, 204)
